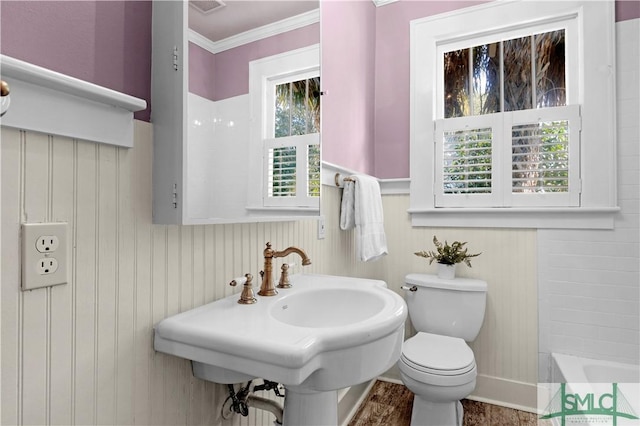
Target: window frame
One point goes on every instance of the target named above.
(300, 142)
(596, 58)
(262, 75)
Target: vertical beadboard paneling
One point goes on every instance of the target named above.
(84, 269)
(10, 302)
(126, 274)
(125, 291)
(61, 316)
(506, 348)
(107, 225)
(35, 304)
(143, 241)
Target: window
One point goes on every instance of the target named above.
(493, 146)
(512, 114)
(284, 169)
(292, 152)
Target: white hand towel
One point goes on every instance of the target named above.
(371, 241)
(347, 212)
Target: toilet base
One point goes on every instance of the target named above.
(429, 413)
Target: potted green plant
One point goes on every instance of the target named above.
(448, 256)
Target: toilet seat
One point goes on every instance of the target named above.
(438, 360)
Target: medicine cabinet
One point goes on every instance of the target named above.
(204, 153)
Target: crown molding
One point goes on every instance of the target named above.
(279, 27)
(379, 3)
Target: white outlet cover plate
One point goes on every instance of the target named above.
(32, 277)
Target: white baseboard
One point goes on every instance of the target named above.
(350, 401)
(497, 391)
(506, 393)
(491, 390)
(390, 380)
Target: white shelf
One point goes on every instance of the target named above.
(53, 103)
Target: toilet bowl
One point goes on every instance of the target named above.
(436, 364)
(439, 370)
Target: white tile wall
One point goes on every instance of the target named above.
(589, 281)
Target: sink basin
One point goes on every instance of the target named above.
(326, 308)
(323, 334)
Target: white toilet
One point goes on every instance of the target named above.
(436, 364)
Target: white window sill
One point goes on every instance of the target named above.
(545, 218)
(286, 213)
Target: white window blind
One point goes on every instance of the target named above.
(293, 170)
(544, 157)
(541, 157)
(467, 159)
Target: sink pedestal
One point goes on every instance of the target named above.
(303, 407)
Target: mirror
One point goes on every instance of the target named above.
(228, 179)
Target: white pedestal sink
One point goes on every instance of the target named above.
(323, 334)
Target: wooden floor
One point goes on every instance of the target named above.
(390, 404)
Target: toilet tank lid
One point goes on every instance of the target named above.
(456, 284)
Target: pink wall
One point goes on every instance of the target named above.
(226, 74)
(627, 9)
(348, 78)
(202, 65)
(109, 43)
(104, 42)
(349, 143)
(392, 81)
(232, 66)
(392, 76)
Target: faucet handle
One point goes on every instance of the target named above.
(246, 297)
(239, 280)
(284, 276)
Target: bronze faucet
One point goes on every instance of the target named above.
(267, 288)
(246, 298)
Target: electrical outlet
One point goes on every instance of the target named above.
(47, 265)
(44, 254)
(47, 243)
(321, 229)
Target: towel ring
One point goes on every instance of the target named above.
(337, 180)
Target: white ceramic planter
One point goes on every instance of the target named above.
(446, 272)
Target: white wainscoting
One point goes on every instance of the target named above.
(82, 353)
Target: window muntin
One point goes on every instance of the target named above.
(477, 80)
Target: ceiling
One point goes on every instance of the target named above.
(238, 16)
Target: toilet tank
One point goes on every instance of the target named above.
(447, 307)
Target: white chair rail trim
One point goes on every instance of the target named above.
(53, 103)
